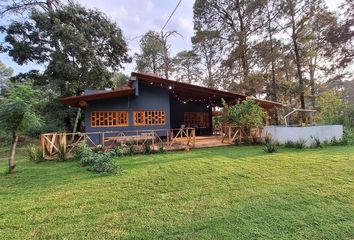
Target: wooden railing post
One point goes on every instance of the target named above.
(193, 134)
(102, 136)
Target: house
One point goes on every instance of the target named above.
(154, 103)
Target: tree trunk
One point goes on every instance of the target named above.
(274, 84)
(13, 152)
(243, 46)
(298, 62)
(312, 84)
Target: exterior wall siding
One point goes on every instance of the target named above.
(178, 109)
(149, 97)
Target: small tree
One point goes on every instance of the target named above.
(18, 111)
(331, 108)
(246, 114)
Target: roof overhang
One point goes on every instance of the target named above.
(193, 93)
(179, 90)
(82, 100)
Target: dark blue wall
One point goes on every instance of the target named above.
(149, 97)
(179, 108)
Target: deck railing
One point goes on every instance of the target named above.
(232, 134)
(179, 138)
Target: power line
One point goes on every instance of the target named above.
(174, 10)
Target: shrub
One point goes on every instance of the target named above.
(335, 142)
(269, 146)
(34, 153)
(316, 142)
(88, 160)
(103, 164)
(131, 149)
(81, 151)
(147, 148)
(348, 137)
(248, 113)
(300, 144)
(290, 144)
(61, 154)
(161, 148)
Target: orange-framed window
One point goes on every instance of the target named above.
(109, 118)
(144, 118)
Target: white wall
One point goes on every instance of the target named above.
(284, 134)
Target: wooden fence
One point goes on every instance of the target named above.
(232, 134)
(52, 143)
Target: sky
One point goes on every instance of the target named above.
(136, 17)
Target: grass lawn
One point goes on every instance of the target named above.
(217, 193)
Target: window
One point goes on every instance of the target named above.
(200, 119)
(143, 118)
(109, 119)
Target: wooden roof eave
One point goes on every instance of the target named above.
(82, 100)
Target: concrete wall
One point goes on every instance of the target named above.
(323, 133)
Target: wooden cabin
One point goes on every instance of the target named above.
(153, 103)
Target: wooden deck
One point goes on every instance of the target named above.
(209, 141)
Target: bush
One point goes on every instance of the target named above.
(348, 137)
(81, 151)
(247, 114)
(161, 148)
(147, 148)
(88, 160)
(61, 154)
(131, 149)
(300, 144)
(269, 146)
(290, 144)
(103, 163)
(34, 154)
(316, 142)
(335, 142)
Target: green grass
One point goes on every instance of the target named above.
(217, 193)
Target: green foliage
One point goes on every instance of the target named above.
(150, 58)
(300, 144)
(161, 148)
(19, 108)
(88, 160)
(103, 164)
(79, 46)
(147, 148)
(348, 137)
(269, 146)
(187, 66)
(119, 80)
(81, 151)
(5, 74)
(98, 161)
(316, 143)
(131, 150)
(34, 153)
(330, 108)
(247, 114)
(61, 155)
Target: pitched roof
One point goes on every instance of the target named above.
(179, 90)
(190, 92)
